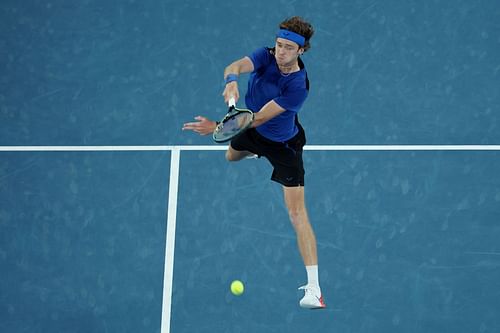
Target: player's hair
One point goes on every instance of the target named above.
(298, 25)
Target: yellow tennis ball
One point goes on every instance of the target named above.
(237, 287)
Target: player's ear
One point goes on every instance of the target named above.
(301, 51)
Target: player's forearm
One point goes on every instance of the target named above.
(243, 65)
(268, 111)
(258, 120)
(233, 68)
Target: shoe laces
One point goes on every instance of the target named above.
(308, 289)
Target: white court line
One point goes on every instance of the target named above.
(224, 147)
(402, 147)
(168, 273)
(86, 148)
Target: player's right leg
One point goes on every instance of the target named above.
(234, 155)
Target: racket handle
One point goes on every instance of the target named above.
(231, 101)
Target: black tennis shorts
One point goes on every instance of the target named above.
(285, 157)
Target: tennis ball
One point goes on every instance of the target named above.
(237, 287)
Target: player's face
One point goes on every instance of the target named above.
(286, 51)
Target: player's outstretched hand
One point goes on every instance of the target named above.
(202, 126)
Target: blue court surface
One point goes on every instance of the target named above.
(114, 220)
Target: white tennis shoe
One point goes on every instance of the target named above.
(312, 298)
(251, 157)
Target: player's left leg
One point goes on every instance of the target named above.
(295, 202)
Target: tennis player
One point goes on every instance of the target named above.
(277, 88)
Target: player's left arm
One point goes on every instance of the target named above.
(202, 125)
(291, 99)
(270, 110)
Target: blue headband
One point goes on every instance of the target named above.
(290, 35)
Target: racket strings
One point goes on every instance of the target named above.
(232, 125)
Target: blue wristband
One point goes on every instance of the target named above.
(231, 78)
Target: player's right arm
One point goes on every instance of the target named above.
(243, 65)
(204, 126)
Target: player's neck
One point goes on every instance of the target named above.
(289, 68)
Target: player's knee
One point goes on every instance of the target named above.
(230, 156)
(297, 216)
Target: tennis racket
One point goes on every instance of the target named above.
(235, 122)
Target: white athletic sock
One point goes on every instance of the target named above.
(312, 276)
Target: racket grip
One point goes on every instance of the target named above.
(231, 101)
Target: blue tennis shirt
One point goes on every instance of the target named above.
(267, 83)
